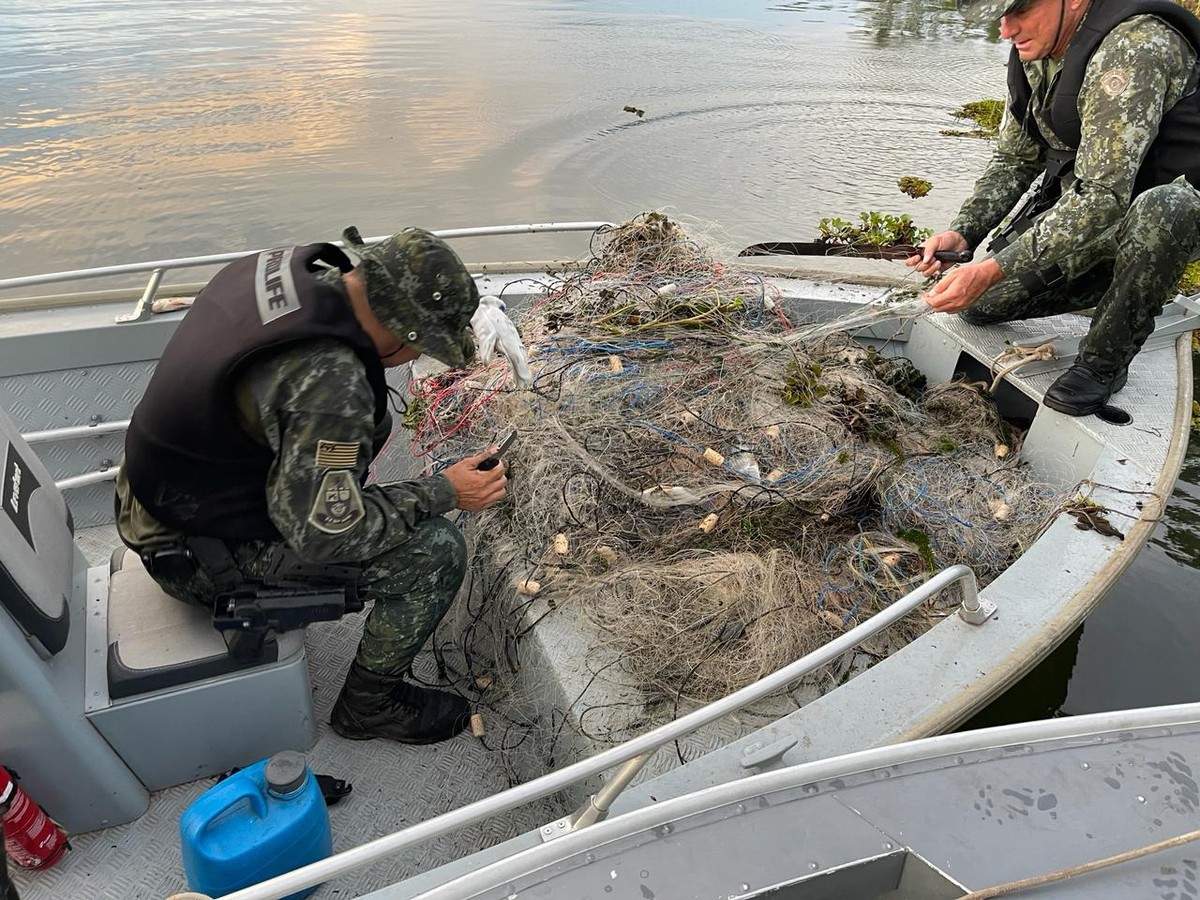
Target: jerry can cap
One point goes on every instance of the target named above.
(285, 772)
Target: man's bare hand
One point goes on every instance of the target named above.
(477, 490)
(963, 285)
(947, 240)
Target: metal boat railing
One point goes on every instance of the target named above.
(158, 269)
(80, 432)
(108, 469)
(632, 752)
(216, 259)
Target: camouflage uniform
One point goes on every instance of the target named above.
(299, 401)
(1124, 259)
(312, 404)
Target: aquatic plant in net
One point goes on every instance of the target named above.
(712, 488)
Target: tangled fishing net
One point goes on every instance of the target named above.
(716, 490)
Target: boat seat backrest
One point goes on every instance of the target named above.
(37, 545)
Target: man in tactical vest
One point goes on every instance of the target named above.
(1103, 103)
(253, 440)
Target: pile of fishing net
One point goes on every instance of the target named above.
(717, 490)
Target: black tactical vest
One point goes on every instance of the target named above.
(188, 462)
(1173, 153)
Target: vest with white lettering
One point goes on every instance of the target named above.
(188, 461)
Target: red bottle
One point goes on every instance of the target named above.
(31, 837)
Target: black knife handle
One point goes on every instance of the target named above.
(953, 256)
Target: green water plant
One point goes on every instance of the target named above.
(986, 114)
(920, 540)
(873, 228)
(801, 384)
(1189, 281)
(913, 186)
(899, 374)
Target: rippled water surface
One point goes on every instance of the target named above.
(141, 129)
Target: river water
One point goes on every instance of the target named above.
(142, 129)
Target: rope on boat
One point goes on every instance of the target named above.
(1022, 355)
(1011, 887)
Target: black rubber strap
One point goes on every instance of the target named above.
(1036, 282)
(213, 556)
(333, 789)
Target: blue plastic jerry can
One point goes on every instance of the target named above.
(265, 820)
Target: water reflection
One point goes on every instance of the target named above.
(1039, 695)
(890, 21)
(1179, 533)
(137, 129)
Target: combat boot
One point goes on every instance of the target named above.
(386, 706)
(1081, 390)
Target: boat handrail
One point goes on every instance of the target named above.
(214, 259)
(642, 745)
(159, 267)
(73, 432)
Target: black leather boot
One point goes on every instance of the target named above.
(386, 706)
(1081, 390)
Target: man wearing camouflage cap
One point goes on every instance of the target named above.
(258, 427)
(1103, 104)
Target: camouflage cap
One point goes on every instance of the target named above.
(981, 11)
(422, 293)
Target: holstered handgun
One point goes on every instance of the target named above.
(247, 616)
(290, 594)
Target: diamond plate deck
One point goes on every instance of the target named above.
(394, 786)
(1149, 397)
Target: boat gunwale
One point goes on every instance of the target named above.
(1038, 735)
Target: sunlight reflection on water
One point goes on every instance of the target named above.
(139, 129)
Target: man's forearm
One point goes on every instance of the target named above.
(995, 194)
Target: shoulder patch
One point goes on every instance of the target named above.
(1114, 81)
(336, 455)
(339, 505)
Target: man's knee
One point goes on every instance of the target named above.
(1002, 302)
(435, 553)
(447, 546)
(1166, 213)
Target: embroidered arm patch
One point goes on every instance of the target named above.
(1114, 82)
(339, 504)
(336, 455)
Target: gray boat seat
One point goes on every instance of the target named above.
(44, 731)
(156, 641)
(109, 687)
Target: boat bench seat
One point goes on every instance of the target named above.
(156, 641)
(106, 677)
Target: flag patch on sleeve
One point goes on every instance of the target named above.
(336, 455)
